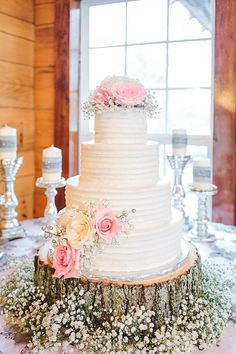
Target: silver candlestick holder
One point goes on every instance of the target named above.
(178, 164)
(50, 212)
(10, 228)
(200, 232)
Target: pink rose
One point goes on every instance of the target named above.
(106, 224)
(66, 261)
(100, 96)
(129, 92)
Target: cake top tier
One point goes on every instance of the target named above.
(117, 93)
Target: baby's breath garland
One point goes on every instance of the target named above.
(73, 322)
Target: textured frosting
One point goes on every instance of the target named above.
(109, 164)
(152, 204)
(142, 251)
(126, 127)
(121, 167)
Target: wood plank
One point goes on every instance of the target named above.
(38, 162)
(224, 147)
(62, 124)
(44, 46)
(23, 185)
(44, 14)
(44, 88)
(38, 2)
(16, 27)
(23, 121)
(16, 50)
(25, 207)
(27, 167)
(40, 204)
(15, 74)
(10, 114)
(20, 9)
(44, 126)
(16, 96)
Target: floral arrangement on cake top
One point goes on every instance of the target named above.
(80, 231)
(119, 93)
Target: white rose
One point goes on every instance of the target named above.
(78, 229)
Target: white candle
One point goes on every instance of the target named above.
(7, 143)
(52, 164)
(179, 142)
(202, 174)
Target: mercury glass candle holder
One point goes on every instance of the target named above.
(178, 164)
(50, 212)
(200, 231)
(10, 228)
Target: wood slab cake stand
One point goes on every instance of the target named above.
(162, 294)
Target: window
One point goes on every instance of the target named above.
(167, 44)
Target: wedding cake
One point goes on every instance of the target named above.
(121, 167)
(118, 222)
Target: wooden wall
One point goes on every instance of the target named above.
(44, 88)
(16, 89)
(224, 147)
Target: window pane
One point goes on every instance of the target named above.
(104, 62)
(74, 69)
(190, 64)
(107, 25)
(182, 24)
(74, 28)
(146, 21)
(157, 125)
(148, 64)
(191, 110)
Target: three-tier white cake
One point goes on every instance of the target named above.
(122, 167)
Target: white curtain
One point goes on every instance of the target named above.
(199, 9)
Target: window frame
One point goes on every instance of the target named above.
(163, 138)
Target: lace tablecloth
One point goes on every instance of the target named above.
(222, 251)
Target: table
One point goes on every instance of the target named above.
(223, 251)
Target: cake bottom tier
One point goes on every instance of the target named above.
(162, 294)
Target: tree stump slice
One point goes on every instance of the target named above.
(162, 294)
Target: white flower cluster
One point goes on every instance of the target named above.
(75, 322)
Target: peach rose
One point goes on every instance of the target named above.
(78, 229)
(66, 262)
(106, 224)
(128, 92)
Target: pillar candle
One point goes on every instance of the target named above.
(7, 143)
(52, 164)
(202, 174)
(179, 142)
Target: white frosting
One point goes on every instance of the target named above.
(142, 251)
(126, 127)
(119, 165)
(152, 204)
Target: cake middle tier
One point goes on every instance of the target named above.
(120, 165)
(152, 204)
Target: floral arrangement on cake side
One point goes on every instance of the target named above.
(80, 232)
(117, 93)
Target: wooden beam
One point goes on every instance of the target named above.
(61, 138)
(224, 146)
